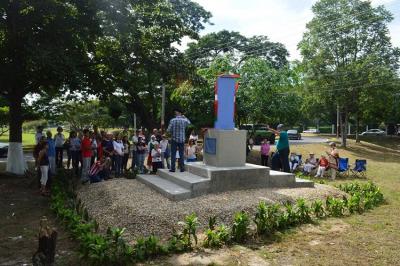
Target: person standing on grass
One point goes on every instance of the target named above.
(86, 149)
(94, 147)
(156, 157)
(333, 158)
(75, 146)
(265, 148)
(176, 128)
(43, 164)
(282, 149)
(67, 147)
(51, 153)
(59, 140)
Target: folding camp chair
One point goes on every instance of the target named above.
(359, 169)
(344, 167)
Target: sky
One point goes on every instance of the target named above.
(282, 21)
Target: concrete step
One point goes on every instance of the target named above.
(185, 179)
(167, 188)
(281, 179)
(304, 183)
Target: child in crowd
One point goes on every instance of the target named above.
(67, 147)
(75, 147)
(156, 157)
(322, 165)
(164, 145)
(43, 163)
(265, 148)
(251, 142)
(150, 147)
(190, 151)
(294, 161)
(94, 147)
(59, 140)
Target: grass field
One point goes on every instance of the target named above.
(372, 238)
(369, 239)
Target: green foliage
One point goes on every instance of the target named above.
(335, 207)
(216, 237)
(4, 119)
(189, 230)
(318, 209)
(240, 226)
(266, 218)
(303, 211)
(289, 217)
(32, 125)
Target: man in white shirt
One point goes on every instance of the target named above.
(59, 140)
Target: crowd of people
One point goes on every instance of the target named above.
(283, 160)
(99, 155)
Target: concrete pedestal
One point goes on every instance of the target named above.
(225, 148)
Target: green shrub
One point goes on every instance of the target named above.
(189, 230)
(303, 211)
(318, 208)
(240, 226)
(266, 218)
(335, 207)
(32, 125)
(217, 237)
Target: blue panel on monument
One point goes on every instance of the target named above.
(210, 145)
(226, 103)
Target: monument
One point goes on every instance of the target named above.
(224, 166)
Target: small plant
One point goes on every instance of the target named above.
(318, 209)
(335, 207)
(266, 218)
(289, 217)
(212, 221)
(216, 238)
(355, 203)
(303, 211)
(189, 230)
(240, 225)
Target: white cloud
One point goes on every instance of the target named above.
(282, 21)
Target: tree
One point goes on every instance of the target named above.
(138, 58)
(347, 53)
(45, 46)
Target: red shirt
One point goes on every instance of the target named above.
(323, 162)
(86, 147)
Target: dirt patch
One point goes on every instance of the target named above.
(21, 208)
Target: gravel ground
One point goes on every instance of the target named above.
(143, 211)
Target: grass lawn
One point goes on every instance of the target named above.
(369, 239)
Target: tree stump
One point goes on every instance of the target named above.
(46, 252)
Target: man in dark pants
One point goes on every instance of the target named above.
(176, 128)
(282, 150)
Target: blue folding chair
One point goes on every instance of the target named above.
(360, 168)
(343, 166)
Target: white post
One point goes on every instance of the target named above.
(367, 128)
(349, 129)
(333, 129)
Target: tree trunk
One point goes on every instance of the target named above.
(343, 122)
(15, 159)
(46, 252)
(357, 127)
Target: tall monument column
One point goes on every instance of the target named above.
(224, 146)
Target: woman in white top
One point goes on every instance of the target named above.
(190, 151)
(165, 151)
(193, 136)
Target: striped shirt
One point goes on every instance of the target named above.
(177, 127)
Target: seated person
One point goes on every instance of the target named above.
(100, 170)
(322, 166)
(310, 164)
(294, 161)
